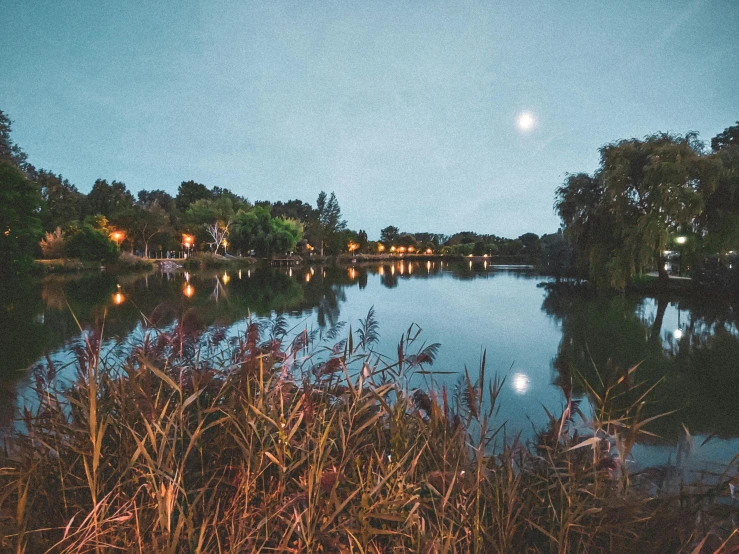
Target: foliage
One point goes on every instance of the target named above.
(9, 151)
(389, 235)
(326, 230)
(108, 199)
(215, 216)
(143, 224)
(20, 224)
(257, 230)
(90, 243)
(621, 218)
(192, 441)
(129, 262)
(52, 245)
(190, 192)
(63, 203)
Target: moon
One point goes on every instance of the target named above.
(525, 121)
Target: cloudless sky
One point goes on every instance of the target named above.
(406, 109)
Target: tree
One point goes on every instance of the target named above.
(108, 199)
(389, 235)
(329, 224)
(728, 138)
(92, 244)
(11, 152)
(190, 192)
(215, 216)
(20, 224)
(257, 230)
(645, 191)
(720, 219)
(362, 240)
(143, 223)
(62, 200)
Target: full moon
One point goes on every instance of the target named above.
(525, 121)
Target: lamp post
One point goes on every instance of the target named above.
(187, 241)
(680, 242)
(117, 236)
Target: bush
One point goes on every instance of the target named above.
(208, 260)
(129, 262)
(52, 245)
(92, 244)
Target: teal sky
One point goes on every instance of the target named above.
(407, 110)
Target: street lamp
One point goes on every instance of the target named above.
(117, 236)
(681, 241)
(187, 242)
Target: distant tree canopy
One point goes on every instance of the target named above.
(257, 230)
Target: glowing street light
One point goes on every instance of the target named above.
(189, 290)
(118, 237)
(187, 242)
(380, 247)
(352, 246)
(681, 240)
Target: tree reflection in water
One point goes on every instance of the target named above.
(699, 371)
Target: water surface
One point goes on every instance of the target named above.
(539, 338)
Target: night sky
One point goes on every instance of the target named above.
(429, 116)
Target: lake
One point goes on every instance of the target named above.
(535, 334)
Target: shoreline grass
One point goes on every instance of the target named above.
(190, 440)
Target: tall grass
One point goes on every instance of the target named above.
(195, 441)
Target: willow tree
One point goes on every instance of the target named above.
(622, 218)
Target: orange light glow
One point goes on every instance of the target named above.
(411, 249)
(392, 249)
(189, 290)
(429, 251)
(118, 299)
(117, 236)
(401, 249)
(352, 246)
(188, 240)
(352, 273)
(307, 277)
(381, 271)
(380, 247)
(226, 278)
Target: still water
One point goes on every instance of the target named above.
(535, 335)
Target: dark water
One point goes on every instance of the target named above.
(535, 336)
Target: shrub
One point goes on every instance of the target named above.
(128, 261)
(52, 245)
(92, 244)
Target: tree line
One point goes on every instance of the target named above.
(652, 197)
(43, 214)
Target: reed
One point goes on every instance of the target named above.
(193, 440)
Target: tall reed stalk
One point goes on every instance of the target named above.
(281, 441)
